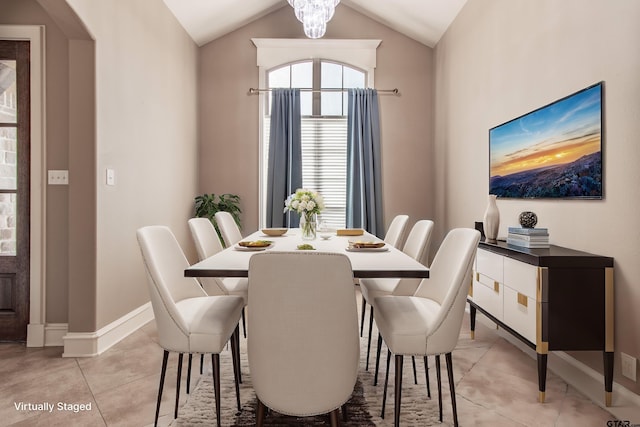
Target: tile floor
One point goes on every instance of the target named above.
(496, 385)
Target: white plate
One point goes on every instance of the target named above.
(382, 249)
(366, 244)
(252, 248)
(274, 232)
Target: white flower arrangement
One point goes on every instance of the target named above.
(304, 202)
(307, 204)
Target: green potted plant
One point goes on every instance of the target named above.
(208, 204)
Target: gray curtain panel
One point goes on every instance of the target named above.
(284, 169)
(364, 182)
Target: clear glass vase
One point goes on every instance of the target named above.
(308, 226)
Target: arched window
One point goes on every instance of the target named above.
(322, 69)
(323, 85)
(323, 106)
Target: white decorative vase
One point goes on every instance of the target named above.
(491, 220)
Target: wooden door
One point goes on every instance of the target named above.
(14, 189)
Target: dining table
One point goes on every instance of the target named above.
(380, 262)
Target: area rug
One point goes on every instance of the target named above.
(363, 409)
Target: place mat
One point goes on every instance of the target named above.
(350, 232)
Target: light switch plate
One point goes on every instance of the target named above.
(110, 176)
(58, 177)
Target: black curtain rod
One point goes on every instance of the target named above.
(394, 91)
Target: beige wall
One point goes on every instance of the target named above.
(127, 102)
(229, 116)
(504, 58)
(146, 130)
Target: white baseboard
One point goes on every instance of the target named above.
(625, 403)
(35, 335)
(54, 334)
(46, 335)
(88, 344)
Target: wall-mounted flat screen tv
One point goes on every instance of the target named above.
(552, 152)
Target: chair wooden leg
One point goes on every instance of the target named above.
(415, 371)
(386, 383)
(439, 378)
(189, 373)
(398, 389)
(334, 417)
(260, 412)
(369, 339)
(379, 349)
(237, 357)
(345, 414)
(180, 356)
(235, 347)
(426, 376)
(215, 362)
(364, 308)
(452, 387)
(165, 357)
(244, 323)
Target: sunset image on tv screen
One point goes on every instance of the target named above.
(555, 151)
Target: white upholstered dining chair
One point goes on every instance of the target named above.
(393, 237)
(417, 247)
(396, 230)
(188, 320)
(208, 244)
(228, 228)
(428, 322)
(303, 343)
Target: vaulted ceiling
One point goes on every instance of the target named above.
(422, 20)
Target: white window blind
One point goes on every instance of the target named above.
(324, 163)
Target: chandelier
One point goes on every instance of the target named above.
(314, 15)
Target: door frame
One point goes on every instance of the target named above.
(35, 34)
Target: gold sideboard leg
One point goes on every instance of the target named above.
(542, 353)
(609, 311)
(472, 319)
(607, 398)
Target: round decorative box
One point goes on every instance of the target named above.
(528, 219)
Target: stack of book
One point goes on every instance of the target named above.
(528, 237)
